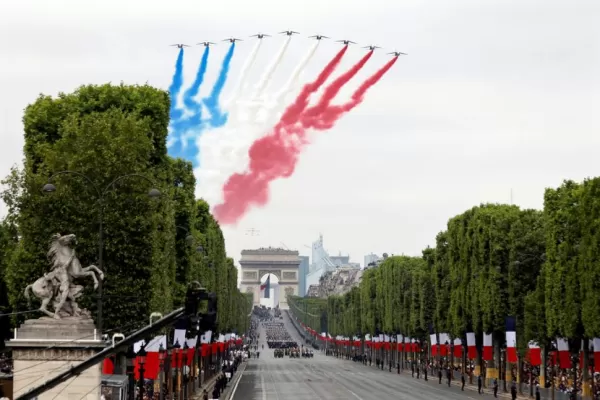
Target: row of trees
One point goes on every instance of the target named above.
(102, 133)
(492, 261)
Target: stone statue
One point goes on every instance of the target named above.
(57, 285)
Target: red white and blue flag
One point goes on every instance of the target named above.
(266, 287)
(511, 339)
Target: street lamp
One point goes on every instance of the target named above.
(130, 368)
(153, 193)
(142, 360)
(168, 369)
(189, 239)
(177, 355)
(423, 358)
(161, 359)
(393, 350)
(184, 370)
(503, 369)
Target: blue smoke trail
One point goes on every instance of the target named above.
(217, 117)
(175, 87)
(174, 113)
(192, 127)
(190, 94)
(189, 100)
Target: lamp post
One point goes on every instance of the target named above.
(142, 360)
(423, 361)
(130, 371)
(503, 367)
(185, 371)
(450, 347)
(100, 194)
(161, 376)
(167, 370)
(189, 239)
(177, 355)
(391, 352)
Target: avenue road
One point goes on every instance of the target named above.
(329, 378)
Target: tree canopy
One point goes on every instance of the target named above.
(113, 138)
(492, 261)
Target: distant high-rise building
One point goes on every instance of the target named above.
(371, 258)
(302, 274)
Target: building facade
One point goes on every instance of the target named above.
(302, 275)
(284, 264)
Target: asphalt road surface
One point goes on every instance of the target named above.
(329, 378)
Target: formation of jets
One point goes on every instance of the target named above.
(261, 36)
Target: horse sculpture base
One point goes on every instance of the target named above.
(46, 347)
(67, 329)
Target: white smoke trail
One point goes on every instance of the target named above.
(271, 112)
(243, 74)
(266, 78)
(226, 152)
(293, 81)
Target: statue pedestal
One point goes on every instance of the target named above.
(44, 348)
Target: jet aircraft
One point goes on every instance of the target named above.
(206, 44)
(232, 40)
(371, 47)
(260, 35)
(319, 37)
(290, 33)
(398, 53)
(181, 46)
(346, 42)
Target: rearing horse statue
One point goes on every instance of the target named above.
(57, 285)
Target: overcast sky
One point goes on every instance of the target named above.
(494, 96)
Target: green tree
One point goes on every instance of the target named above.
(8, 243)
(104, 132)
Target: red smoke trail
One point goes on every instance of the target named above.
(333, 89)
(293, 112)
(275, 156)
(329, 117)
(270, 157)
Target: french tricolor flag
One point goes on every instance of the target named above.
(534, 354)
(488, 347)
(471, 346)
(444, 344)
(458, 348)
(433, 340)
(152, 361)
(564, 358)
(511, 340)
(400, 343)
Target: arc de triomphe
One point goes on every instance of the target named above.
(279, 262)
